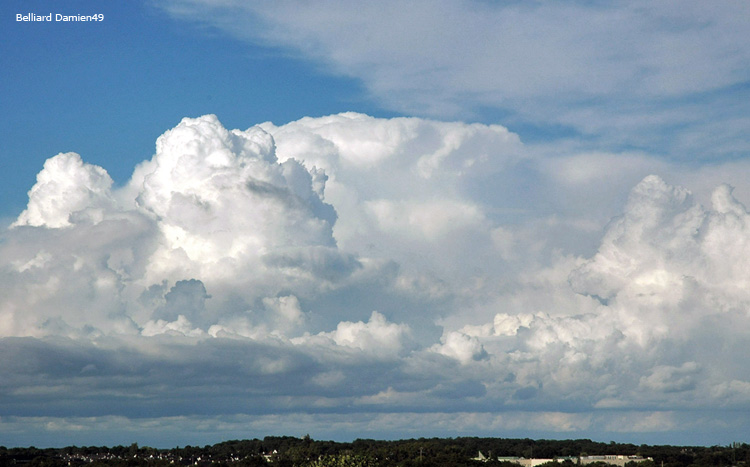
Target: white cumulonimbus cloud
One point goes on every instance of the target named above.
(350, 263)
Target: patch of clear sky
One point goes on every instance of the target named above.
(107, 90)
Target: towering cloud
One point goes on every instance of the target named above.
(212, 207)
(66, 187)
(350, 264)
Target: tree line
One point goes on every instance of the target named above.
(288, 451)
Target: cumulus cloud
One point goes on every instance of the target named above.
(661, 288)
(213, 209)
(670, 257)
(462, 347)
(376, 336)
(223, 202)
(244, 267)
(404, 186)
(67, 187)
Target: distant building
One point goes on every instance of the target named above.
(613, 459)
(533, 462)
(522, 461)
(480, 457)
(270, 457)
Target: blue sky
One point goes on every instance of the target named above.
(107, 90)
(233, 219)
